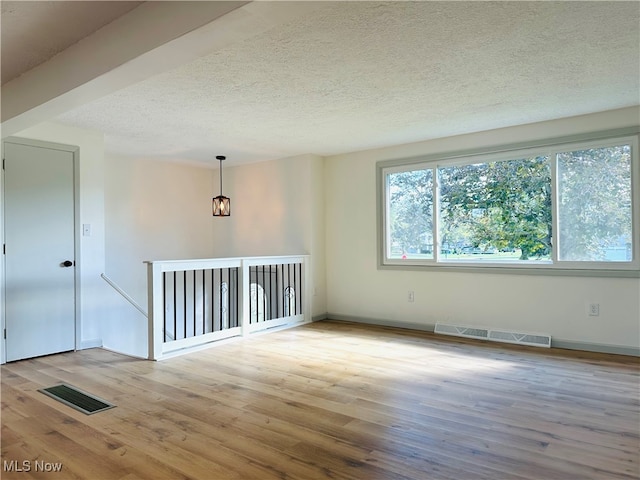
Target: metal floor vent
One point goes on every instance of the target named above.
(77, 399)
(532, 339)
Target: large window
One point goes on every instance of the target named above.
(410, 213)
(570, 206)
(594, 204)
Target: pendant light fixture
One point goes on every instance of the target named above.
(221, 204)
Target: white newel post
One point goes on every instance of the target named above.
(245, 298)
(156, 309)
(308, 289)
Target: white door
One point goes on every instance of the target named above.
(39, 251)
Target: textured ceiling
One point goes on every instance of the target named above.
(36, 31)
(356, 75)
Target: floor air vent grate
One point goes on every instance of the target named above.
(77, 399)
(536, 340)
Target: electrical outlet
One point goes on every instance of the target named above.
(411, 296)
(594, 309)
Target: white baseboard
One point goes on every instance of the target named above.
(93, 343)
(555, 343)
(426, 327)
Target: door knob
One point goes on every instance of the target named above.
(67, 263)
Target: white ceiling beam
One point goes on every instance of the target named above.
(148, 40)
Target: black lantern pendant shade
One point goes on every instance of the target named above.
(221, 204)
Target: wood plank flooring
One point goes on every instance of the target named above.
(329, 400)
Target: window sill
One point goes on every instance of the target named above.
(539, 268)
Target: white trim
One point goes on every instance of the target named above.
(3, 303)
(237, 338)
(288, 259)
(124, 294)
(197, 348)
(276, 322)
(555, 342)
(550, 148)
(123, 354)
(634, 264)
(284, 326)
(155, 331)
(189, 342)
(435, 216)
(386, 172)
(93, 343)
(196, 264)
(244, 315)
(75, 152)
(77, 244)
(555, 209)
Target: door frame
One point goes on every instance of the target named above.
(77, 229)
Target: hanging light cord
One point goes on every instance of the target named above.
(221, 158)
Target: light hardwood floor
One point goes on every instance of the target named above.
(330, 400)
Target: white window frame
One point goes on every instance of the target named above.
(548, 148)
(387, 231)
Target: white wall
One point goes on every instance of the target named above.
(277, 208)
(155, 210)
(556, 305)
(318, 238)
(144, 209)
(91, 200)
